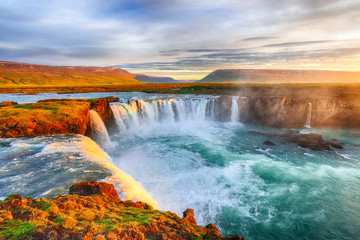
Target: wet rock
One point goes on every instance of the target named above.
(188, 215)
(269, 143)
(102, 107)
(95, 188)
(313, 141)
(223, 107)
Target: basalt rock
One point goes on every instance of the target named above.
(311, 140)
(273, 111)
(95, 214)
(293, 112)
(223, 108)
(269, 143)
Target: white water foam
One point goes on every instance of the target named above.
(308, 118)
(234, 109)
(100, 133)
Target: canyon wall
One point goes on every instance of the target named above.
(287, 112)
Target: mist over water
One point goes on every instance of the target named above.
(172, 152)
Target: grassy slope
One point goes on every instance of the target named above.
(44, 118)
(22, 74)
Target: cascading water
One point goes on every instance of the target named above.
(134, 115)
(99, 132)
(308, 118)
(52, 163)
(234, 109)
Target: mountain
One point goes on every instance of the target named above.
(150, 79)
(280, 76)
(24, 74)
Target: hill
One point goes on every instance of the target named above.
(150, 79)
(280, 76)
(23, 74)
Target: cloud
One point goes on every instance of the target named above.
(179, 34)
(258, 38)
(250, 58)
(295, 44)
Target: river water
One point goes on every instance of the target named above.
(171, 153)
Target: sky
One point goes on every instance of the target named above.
(184, 39)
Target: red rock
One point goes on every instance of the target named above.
(95, 188)
(188, 215)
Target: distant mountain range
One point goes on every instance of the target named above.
(150, 79)
(280, 76)
(25, 74)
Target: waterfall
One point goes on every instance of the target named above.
(234, 109)
(308, 118)
(98, 129)
(132, 115)
(127, 187)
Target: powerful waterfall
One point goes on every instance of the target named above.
(99, 131)
(133, 114)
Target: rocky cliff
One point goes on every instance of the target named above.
(52, 116)
(290, 112)
(94, 211)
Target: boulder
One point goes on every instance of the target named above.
(269, 143)
(188, 215)
(313, 141)
(95, 188)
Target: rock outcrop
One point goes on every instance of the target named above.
(223, 108)
(311, 140)
(92, 211)
(288, 112)
(53, 116)
(44, 118)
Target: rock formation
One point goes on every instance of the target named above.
(53, 116)
(311, 140)
(92, 211)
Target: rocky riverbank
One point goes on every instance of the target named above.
(95, 211)
(52, 116)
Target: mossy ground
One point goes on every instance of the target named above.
(74, 216)
(44, 118)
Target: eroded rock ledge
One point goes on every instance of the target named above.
(52, 116)
(93, 210)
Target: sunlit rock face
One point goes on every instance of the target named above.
(275, 112)
(44, 118)
(223, 108)
(287, 112)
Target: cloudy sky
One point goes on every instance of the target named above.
(185, 39)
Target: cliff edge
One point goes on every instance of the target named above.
(93, 210)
